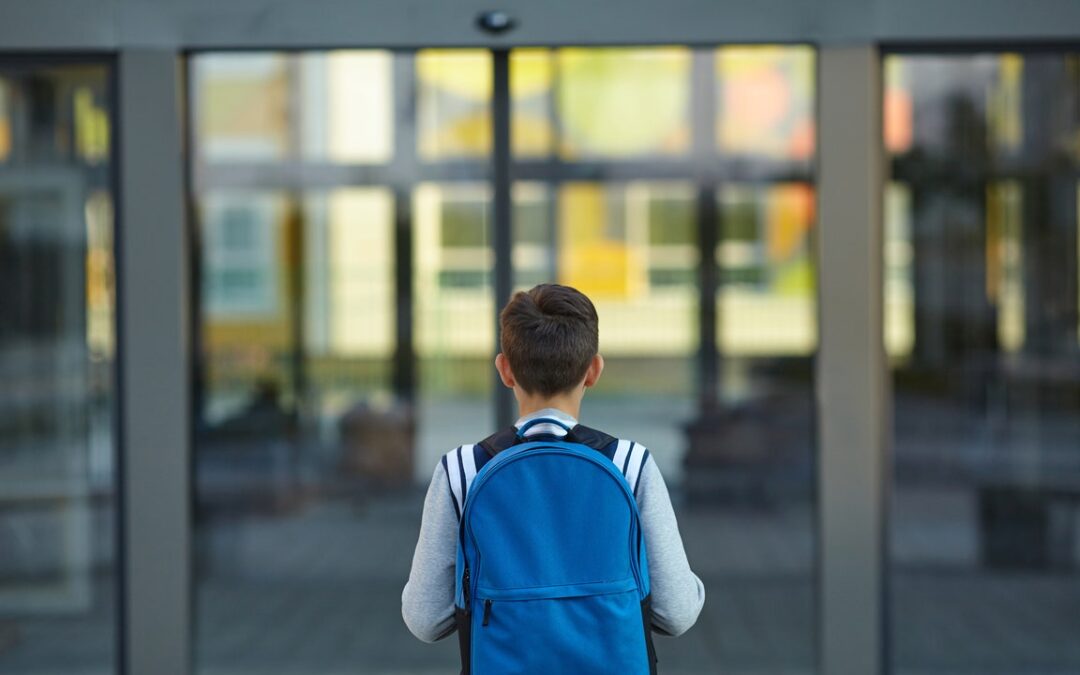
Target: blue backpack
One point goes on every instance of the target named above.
(552, 575)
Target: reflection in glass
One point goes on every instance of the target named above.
(242, 107)
(330, 381)
(244, 112)
(765, 102)
(982, 317)
(311, 437)
(598, 218)
(454, 311)
(767, 303)
(348, 111)
(58, 578)
(581, 98)
(453, 104)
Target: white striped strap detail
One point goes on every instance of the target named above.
(460, 472)
(629, 458)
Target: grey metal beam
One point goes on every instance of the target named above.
(212, 24)
(155, 376)
(852, 394)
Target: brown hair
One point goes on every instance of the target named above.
(549, 335)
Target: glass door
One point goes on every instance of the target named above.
(348, 298)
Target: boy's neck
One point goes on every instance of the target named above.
(568, 403)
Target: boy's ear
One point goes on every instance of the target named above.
(596, 366)
(502, 364)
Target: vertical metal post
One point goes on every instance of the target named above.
(852, 392)
(705, 151)
(154, 355)
(404, 376)
(502, 214)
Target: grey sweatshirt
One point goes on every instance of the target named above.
(427, 603)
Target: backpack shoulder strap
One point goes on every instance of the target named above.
(628, 456)
(462, 463)
(498, 441)
(593, 438)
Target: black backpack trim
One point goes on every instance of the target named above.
(506, 438)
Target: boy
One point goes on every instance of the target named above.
(549, 358)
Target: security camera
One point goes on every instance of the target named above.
(495, 22)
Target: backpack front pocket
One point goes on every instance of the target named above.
(585, 634)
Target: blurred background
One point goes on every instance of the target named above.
(343, 286)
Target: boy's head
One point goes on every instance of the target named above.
(549, 341)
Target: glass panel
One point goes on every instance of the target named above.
(982, 306)
(348, 111)
(58, 574)
(453, 104)
(315, 428)
(767, 305)
(740, 471)
(244, 112)
(753, 460)
(242, 107)
(581, 98)
(765, 102)
(455, 330)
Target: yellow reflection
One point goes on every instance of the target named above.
(765, 101)
(623, 102)
(625, 246)
(1004, 107)
(591, 260)
(1004, 260)
(531, 76)
(99, 275)
(91, 127)
(454, 103)
(5, 123)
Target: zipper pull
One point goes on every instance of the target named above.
(487, 612)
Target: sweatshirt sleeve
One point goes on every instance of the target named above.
(677, 593)
(427, 603)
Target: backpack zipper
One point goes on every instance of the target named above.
(487, 612)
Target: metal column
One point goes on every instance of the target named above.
(852, 392)
(152, 285)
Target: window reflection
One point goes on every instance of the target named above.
(454, 307)
(599, 214)
(346, 321)
(981, 322)
(58, 575)
(767, 301)
(453, 103)
(765, 102)
(242, 107)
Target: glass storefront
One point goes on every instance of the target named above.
(58, 567)
(346, 315)
(981, 327)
